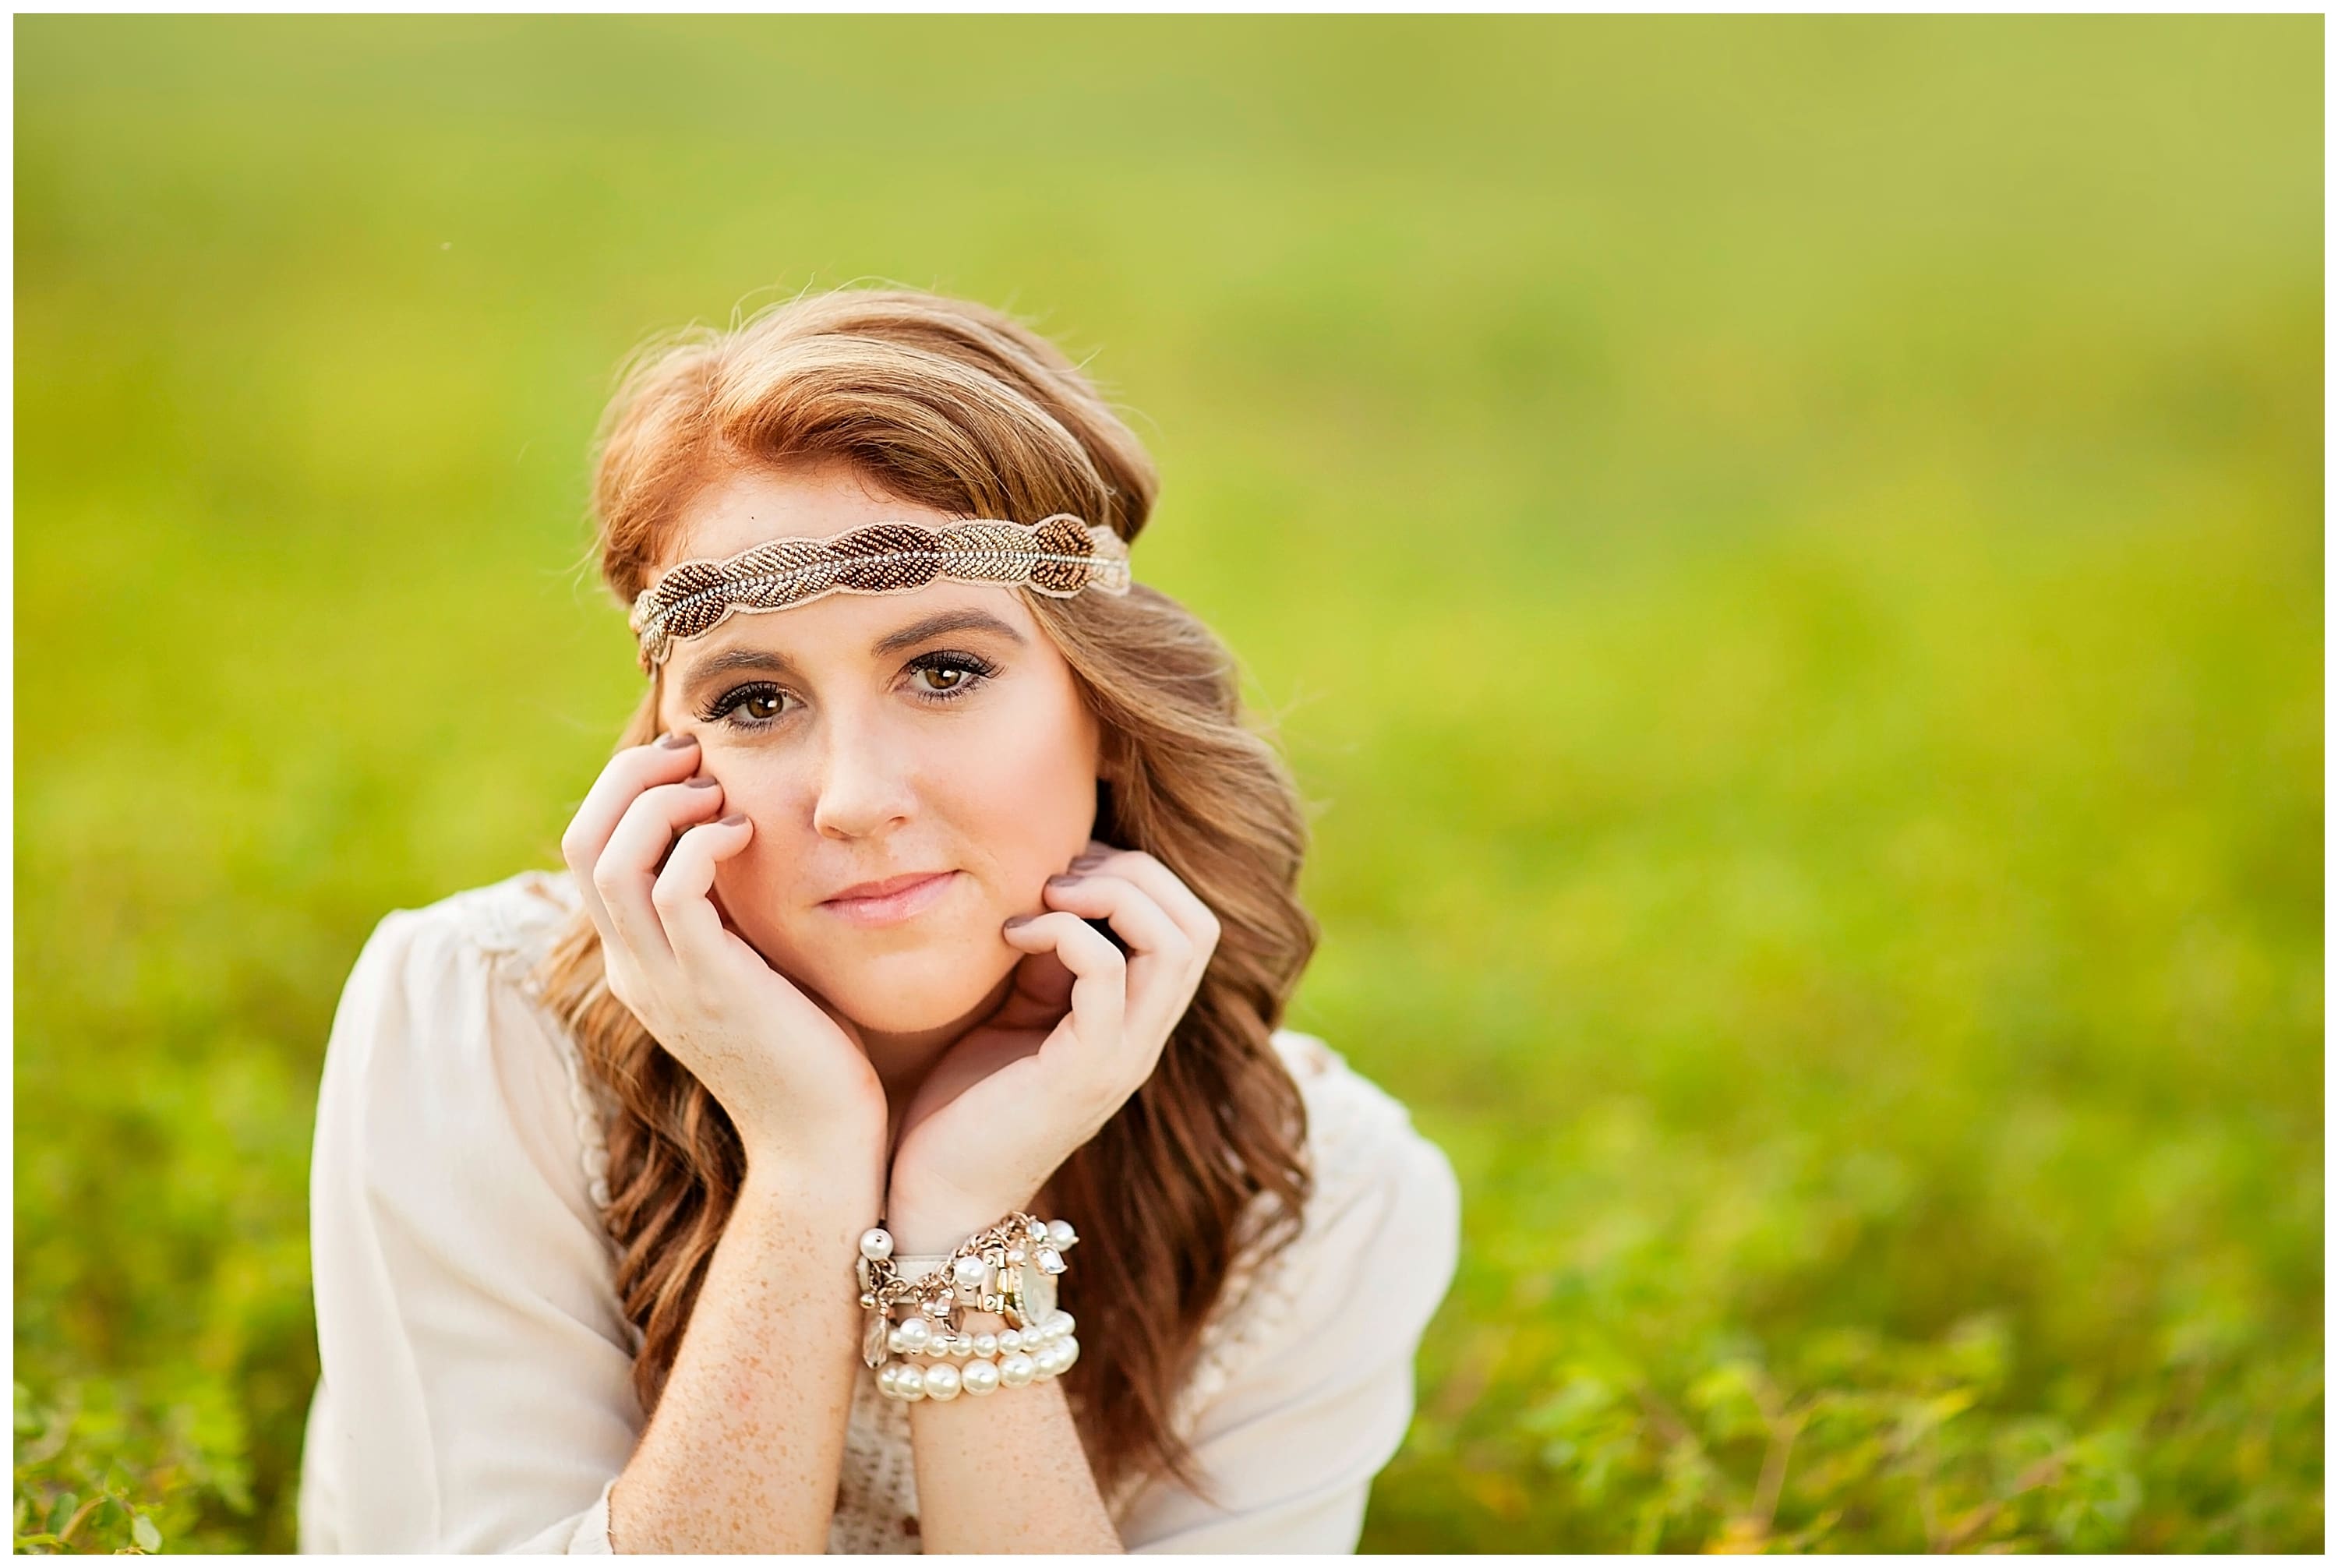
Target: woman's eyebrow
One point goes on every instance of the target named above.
(934, 625)
(916, 632)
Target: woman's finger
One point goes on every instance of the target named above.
(716, 967)
(1099, 1008)
(623, 778)
(1168, 889)
(628, 868)
(1160, 955)
(682, 894)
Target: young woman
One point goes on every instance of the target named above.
(881, 1136)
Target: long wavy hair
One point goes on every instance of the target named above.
(964, 408)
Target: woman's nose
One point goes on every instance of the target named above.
(864, 782)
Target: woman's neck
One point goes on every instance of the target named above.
(903, 1061)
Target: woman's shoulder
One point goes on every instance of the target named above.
(1358, 1134)
(517, 917)
(1377, 1243)
(444, 993)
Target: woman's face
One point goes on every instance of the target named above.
(872, 737)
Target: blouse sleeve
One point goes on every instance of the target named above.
(476, 1363)
(1324, 1399)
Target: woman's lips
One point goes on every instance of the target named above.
(894, 906)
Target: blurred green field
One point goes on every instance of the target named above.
(1795, 591)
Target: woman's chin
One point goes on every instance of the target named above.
(914, 1004)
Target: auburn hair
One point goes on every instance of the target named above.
(964, 408)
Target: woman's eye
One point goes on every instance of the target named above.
(747, 707)
(946, 677)
(935, 678)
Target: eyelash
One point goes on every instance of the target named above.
(981, 669)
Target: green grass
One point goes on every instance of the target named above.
(1796, 595)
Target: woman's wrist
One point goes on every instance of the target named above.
(924, 1226)
(841, 1172)
(919, 1235)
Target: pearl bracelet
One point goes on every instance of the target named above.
(1008, 1268)
(1008, 1359)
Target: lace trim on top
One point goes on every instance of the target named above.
(513, 922)
(518, 929)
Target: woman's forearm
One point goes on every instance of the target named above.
(1006, 1471)
(744, 1449)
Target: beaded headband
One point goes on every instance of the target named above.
(1058, 556)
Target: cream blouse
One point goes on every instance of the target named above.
(475, 1392)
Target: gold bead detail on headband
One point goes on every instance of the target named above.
(1059, 556)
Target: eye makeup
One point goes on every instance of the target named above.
(966, 672)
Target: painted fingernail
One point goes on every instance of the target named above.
(677, 739)
(702, 781)
(1086, 862)
(1062, 881)
(734, 820)
(1013, 921)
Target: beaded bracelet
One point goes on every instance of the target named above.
(1008, 1359)
(1008, 1268)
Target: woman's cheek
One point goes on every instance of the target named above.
(755, 887)
(1037, 781)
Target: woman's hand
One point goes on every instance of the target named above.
(1079, 1032)
(793, 1076)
